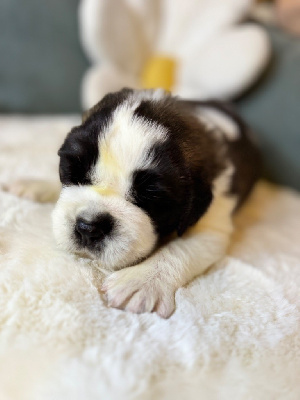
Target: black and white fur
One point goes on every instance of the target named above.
(150, 184)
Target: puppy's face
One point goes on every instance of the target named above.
(126, 182)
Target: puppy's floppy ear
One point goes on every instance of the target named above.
(199, 197)
(72, 146)
(86, 114)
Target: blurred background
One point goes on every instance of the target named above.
(51, 61)
(41, 62)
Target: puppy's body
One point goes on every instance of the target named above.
(145, 169)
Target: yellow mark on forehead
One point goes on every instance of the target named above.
(104, 190)
(110, 170)
(108, 160)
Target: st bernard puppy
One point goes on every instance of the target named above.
(149, 187)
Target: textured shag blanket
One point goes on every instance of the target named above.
(235, 333)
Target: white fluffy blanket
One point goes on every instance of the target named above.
(234, 335)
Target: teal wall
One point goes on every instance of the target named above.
(272, 108)
(41, 61)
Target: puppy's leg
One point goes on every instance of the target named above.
(34, 189)
(151, 285)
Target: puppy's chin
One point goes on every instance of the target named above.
(101, 262)
(132, 238)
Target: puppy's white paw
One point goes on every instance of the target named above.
(140, 289)
(33, 189)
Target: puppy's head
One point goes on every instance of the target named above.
(130, 176)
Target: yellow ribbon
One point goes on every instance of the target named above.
(159, 72)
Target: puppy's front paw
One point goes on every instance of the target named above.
(140, 289)
(33, 189)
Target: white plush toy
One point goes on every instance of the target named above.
(197, 49)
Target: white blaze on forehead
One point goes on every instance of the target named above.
(149, 94)
(123, 148)
(216, 119)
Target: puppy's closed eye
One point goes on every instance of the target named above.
(148, 185)
(151, 192)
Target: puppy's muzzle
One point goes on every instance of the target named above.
(91, 232)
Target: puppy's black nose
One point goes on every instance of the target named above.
(89, 232)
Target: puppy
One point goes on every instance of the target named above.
(150, 185)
